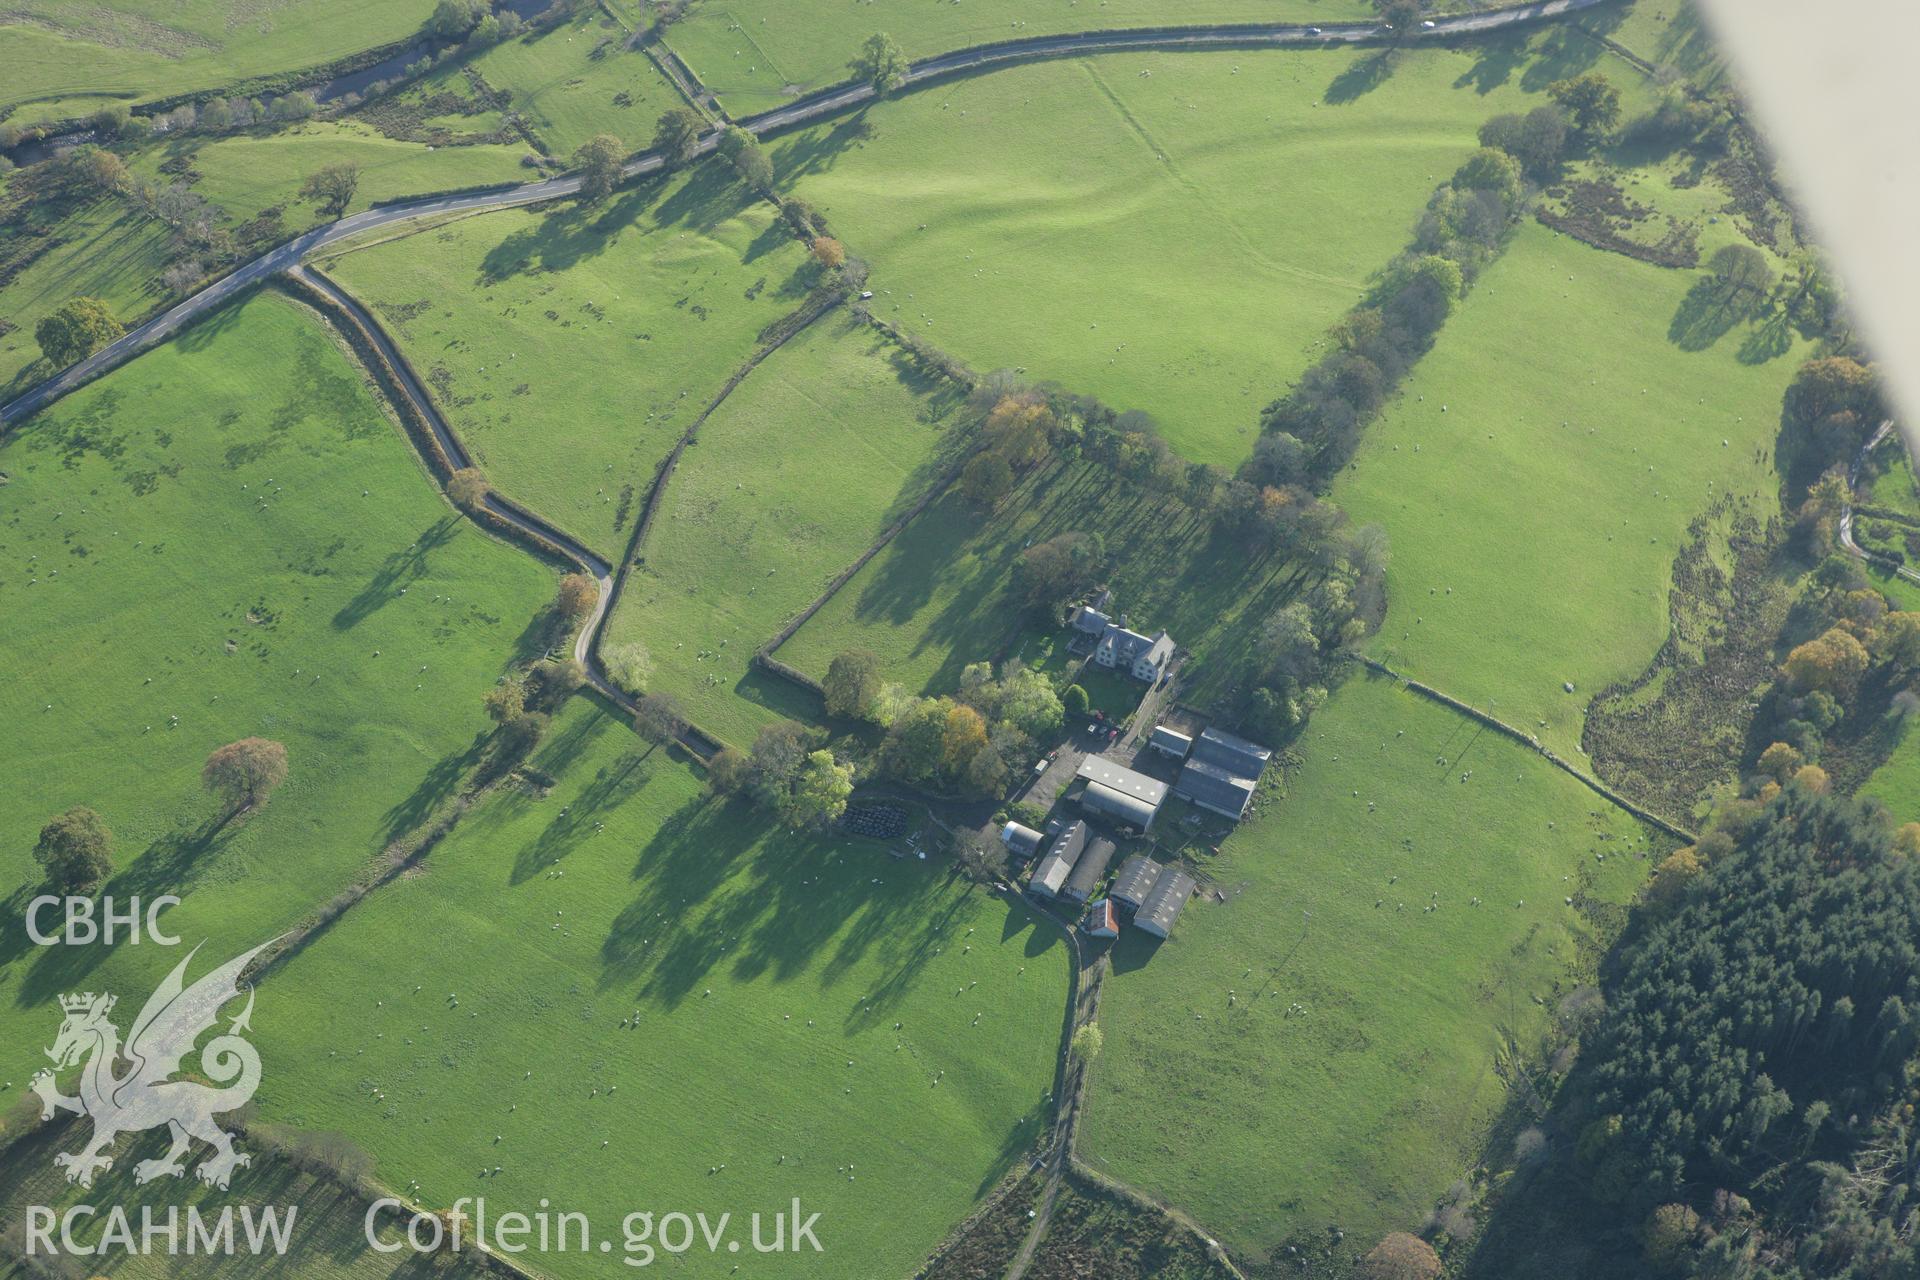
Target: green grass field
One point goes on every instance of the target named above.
(757, 53)
(66, 59)
(1341, 1070)
(571, 350)
(1536, 492)
(1887, 480)
(246, 174)
(230, 532)
(938, 598)
(1182, 234)
(100, 250)
(1672, 35)
(767, 972)
(806, 463)
(575, 81)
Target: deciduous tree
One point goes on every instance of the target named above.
(881, 63)
(245, 773)
(1591, 102)
(852, 683)
(658, 718)
(76, 330)
(468, 488)
(577, 596)
(75, 851)
(676, 135)
(332, 187)
(599, 159)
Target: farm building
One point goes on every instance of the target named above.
(1021, 840)
(1115, 790)
(1213, 788)
(1135, 881)
(1164, 904)
(1087, 872)
(1050, 873)
(1170, 742)
(1101, 920)
(1237, 756)
(1222, 773)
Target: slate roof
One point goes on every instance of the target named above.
(1163, 906)
(1135, 881)
(1087, 872)
(1239, 757)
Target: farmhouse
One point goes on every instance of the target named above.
(1101, 920)
(1087, 872)
(1164, 904)
(1222, 773)
(1117, 646)
(1050, 873)
(1112, 789)
(1135, 881)
(1020, 840)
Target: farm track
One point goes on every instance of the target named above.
(1846, 517)
(809, 109)
(289, 259)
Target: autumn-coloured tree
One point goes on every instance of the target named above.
(1400, 1256)
(1675, 873)
(727, 772)
(505, 700)
(1811, 777)
(1779, 761)
(962, 736)
(1020, 429)
(577, 596)
(246, 772)
(468, 488)
(828, 252)
(1830, 663)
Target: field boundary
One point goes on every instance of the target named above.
(1532, 743)
(772, 338)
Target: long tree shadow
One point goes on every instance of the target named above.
(1495, 61)
(1769, 340)
(565, 238)
(172, 864)
(433, 790)
(1705, 316)
(400, 569)
(1362, 77)
(611, 786)
(819, 150)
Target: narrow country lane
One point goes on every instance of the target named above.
(806, 110)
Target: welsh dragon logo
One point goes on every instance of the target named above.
(131, 1089)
